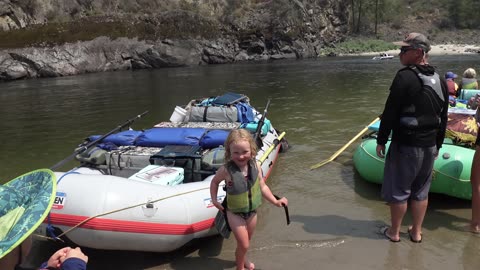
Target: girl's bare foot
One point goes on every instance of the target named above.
(249, 265)
(474, 228)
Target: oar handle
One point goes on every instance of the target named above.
(287, 216)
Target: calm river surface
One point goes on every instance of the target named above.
(320, 103)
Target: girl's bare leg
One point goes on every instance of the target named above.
(240, 231)
(251, 224)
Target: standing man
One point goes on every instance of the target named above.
(416, 114)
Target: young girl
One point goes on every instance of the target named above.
(245, 188)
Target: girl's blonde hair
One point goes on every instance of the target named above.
(237, 135)
(470, 73)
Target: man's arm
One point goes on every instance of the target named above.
(392, 108)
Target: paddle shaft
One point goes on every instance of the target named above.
(90, 144)
(270, 149)
(344, 147)
(260, 123)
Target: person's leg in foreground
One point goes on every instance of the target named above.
(420, 189)
(397, 212)
(475, 182)
(419, 208)
(243, 231)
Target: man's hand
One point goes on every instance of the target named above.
(381, 150)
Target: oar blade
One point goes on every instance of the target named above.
(320, 164)
(344, 147)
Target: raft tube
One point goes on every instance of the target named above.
(451, 170)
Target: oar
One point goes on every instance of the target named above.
(85, 145)
(344, 147)
(276, 142)
(258, 131)
(270, 149)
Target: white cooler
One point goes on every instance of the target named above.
(161, 175)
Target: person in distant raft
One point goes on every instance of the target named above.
(245, 187)
(469, 80)
(416, 114)
(451, 84)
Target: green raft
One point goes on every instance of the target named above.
(451, 170)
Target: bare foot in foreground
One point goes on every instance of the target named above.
(414, 237)
(475, 228)
(249, 265)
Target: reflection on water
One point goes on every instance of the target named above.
(320, 103)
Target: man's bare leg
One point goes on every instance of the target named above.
(397, 212)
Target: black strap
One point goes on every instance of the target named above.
(444, 89)
(205, 114)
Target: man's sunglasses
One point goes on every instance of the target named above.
(406, 49)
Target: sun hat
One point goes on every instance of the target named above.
(450, 75)
(24, 204)
(415, 40)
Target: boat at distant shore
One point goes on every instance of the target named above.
(149, 189)
(383, 56)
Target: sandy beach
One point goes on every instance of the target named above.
(454, 49)
(442, 49)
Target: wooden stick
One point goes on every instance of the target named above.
(344, 147)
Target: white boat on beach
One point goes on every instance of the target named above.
(148, 190)
(383, 56)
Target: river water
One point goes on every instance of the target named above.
(320, 103)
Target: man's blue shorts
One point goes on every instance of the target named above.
(408, 173)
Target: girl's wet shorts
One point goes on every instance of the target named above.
(246, 215)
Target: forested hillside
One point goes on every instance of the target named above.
(444, 21)
(57, 21)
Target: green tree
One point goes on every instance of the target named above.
(464, 13)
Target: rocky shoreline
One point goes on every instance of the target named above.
(103, 54)
(51, 38)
